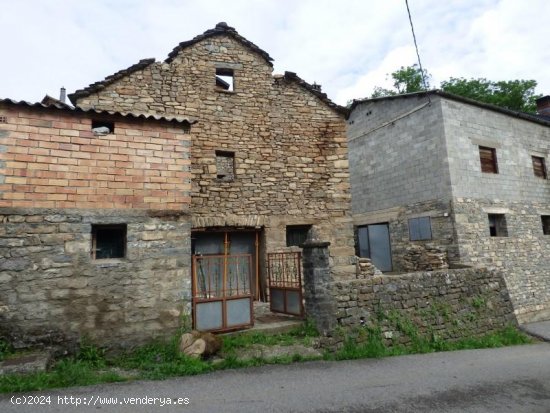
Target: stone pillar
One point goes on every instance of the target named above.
(319, 302)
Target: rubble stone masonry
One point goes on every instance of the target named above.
(289, 144)
(58, 180)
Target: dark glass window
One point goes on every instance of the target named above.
(108, 241)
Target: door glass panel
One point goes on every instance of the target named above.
(238, 312)
(379, 242)
(363, 241)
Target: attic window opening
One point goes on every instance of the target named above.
(101, 127)
(225, 166)
(3, 119)
(225, 79)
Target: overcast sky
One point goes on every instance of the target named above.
(348, 46)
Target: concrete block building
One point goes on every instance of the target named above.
(439, 180)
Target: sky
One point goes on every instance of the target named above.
(347, 46)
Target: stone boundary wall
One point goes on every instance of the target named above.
(53, 293)
(446, 304)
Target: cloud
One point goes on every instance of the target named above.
(348, 47)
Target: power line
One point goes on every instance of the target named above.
(416, 47)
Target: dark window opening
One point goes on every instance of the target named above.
(539, 166)
(3, 119)
(100, 127)
(497, 225)
(296, 235)
(545, 224)
(225, 79)
(225, 166)
(488, 159)
(420, 229)
(108, 241)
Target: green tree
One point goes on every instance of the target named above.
(405, 80)
(516, 95)
(512, 94)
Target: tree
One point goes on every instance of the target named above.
(405, 80)
(516, 95)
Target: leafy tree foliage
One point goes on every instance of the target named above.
(511, 94)
(405, 80)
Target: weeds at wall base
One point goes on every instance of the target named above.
(160, 360)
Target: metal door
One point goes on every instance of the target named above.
(285, 282)
(374, 243)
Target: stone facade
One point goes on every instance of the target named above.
(418, 155)
(59, 181)
(287, 140)
(438, 305)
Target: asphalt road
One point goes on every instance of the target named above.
(513, 379)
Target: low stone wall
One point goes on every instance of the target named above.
(53, 292)
(437, 305)
(446, 305)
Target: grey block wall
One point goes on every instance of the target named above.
(516, 140)
(401, 162)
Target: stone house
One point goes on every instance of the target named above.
(95, 224)
(269, 163)
(441, 180)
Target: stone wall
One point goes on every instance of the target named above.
(438, 305)
(289, 144)
(522, 255)
(53, 292)
(50, 158)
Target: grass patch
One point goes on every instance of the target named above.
(158, 360)
(374, 346)
(162, 359)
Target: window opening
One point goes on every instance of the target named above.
(108, 241)
(497, 225)
(420, 229)
(100, 127)
(225, 166)
(539, 166)
(225, 79)
(296, 235)
(488, 159)
(545, 224)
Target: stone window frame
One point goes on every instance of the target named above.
(545, 220)
(224, 155)
(498, 226)
(123, 234)
(420, 228)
